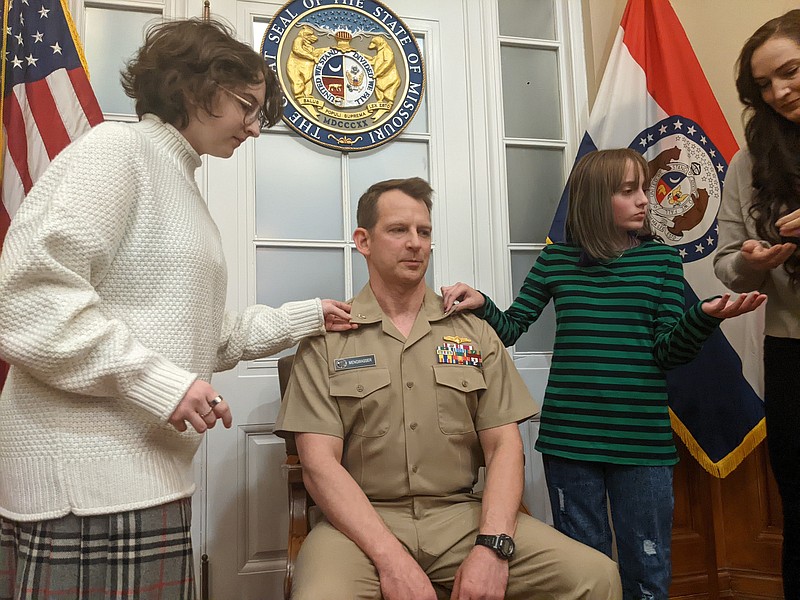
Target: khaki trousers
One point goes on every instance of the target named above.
(439, 533)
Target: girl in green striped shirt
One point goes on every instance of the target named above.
(605, 433)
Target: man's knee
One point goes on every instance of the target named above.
(329, 585)
(589, 574)
(332, 567)
(552, 563)
(600, 578)
(319, 589)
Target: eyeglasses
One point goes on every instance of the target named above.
(252, 111)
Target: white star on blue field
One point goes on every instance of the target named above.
(339, 19)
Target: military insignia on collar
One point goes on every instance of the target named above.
(456, 339)
(354, 362)
(458, 354)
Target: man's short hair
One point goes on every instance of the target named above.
(416, 187)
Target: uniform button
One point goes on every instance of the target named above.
(413, 426)
(463, 383)
(414, 469)
(360, 388)
(409, 384)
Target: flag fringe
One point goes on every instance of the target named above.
(724, 467)
(76, 39)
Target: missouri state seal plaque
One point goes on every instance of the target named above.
(351, 71)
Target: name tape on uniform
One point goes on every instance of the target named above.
(354, 362)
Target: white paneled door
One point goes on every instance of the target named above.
(285, 209)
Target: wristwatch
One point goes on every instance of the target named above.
(502, 544)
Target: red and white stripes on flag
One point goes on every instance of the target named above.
(47, 101)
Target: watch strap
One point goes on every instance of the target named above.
(502, 544)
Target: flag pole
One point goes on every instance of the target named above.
(3, 86)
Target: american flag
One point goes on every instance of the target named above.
(47, 101)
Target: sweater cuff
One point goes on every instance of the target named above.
(745, 277)
(305, 318)
(161, 387)
(700, 321)
(488, 309)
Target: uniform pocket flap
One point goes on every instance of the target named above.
(359, 383)
(462, 378)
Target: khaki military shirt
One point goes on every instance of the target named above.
(407, 409)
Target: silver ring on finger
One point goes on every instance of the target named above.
(214, 401)
(208, 412)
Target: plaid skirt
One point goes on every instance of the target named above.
(142, 554)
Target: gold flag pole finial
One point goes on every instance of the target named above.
(206, 10)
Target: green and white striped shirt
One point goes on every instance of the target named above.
(619, 325)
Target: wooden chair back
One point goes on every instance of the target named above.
(299, 500)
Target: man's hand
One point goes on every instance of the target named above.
(404, 579)
(482, 576)
(766, 259)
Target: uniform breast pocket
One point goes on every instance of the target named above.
(363, 400)
(457, 389)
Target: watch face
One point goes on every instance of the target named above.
(505, 546)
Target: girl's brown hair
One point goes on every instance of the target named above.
(183, 63)
(590, 216)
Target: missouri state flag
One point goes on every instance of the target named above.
(46, 103)
(655, 99)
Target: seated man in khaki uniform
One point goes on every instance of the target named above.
(392, 421)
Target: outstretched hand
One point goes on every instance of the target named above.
(766, 259)
(460, 296)
(725, 308)
(337, 316)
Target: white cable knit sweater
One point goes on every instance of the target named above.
(112, 292)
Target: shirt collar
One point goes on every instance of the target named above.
(365, 308)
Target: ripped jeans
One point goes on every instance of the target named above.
(641, 502)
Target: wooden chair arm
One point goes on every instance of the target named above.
(298, 517)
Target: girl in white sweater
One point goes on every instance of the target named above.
(112, 316)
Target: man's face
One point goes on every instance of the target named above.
(398, 248)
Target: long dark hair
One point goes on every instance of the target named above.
(773, 141)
